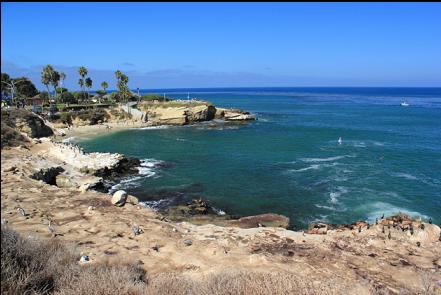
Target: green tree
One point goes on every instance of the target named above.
(62, 78)
(81, 82)
(6, 81)
(55, 79)
(104, 85)
(83, 73)
(122, 81)
(46, 77)
(25, 87)
(88, 83)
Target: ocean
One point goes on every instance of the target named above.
(289, 161)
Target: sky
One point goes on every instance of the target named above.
(187, 45)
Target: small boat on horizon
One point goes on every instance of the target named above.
(404, 104)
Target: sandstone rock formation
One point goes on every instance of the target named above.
(26, 122)
(262, 220)
(234, 115)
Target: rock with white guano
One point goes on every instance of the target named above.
(119, 198)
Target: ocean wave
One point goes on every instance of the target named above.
(326, 207)
(218, 211)
(377, 209)
(405, 175)
(146, 169)
(156, 204)
(154, 127)
(69, 139)
(315, 160)
(129, 182)
(313, 167)
(337, 193)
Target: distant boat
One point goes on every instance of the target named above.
(340, 140)
(404, 104)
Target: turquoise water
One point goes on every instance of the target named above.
(289, 161)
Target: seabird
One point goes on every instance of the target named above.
(136, 230)
(389, 235)
(21, 211)
(339, 140)
(382, 216)
(50, 227)
(359, 229)
(383, 231)
(430, 220)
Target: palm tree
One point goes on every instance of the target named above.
(46, 77)
(83, 73)
(55, 79)
(81, 82)
(104, 85)
(122, 84)
(88, 83)
(62, 77)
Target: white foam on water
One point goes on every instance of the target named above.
(313, 167)
(125, 183)
(154, 127)
(147, 167)
(314, 160)
(145, 170)
(156, 205)
(326, 207)
(181, 139)
(377, 209)
(219, 211)
(360, 144)
(337, 193)
(68, 140)
(405, 175)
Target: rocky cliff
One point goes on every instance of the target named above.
(183, 113)
(16, 124)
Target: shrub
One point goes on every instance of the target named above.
(33, 266)
(116, 96)
(93, 116)
(11, 137)
(152, 97)
(80, 96)
(101, 92)
(67, 97)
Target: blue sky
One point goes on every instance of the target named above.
(171, 45)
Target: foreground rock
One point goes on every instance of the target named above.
(234, 115)
(262, 220)
(200, 212)
(119, 198)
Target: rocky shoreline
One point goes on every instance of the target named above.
(49, 190)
